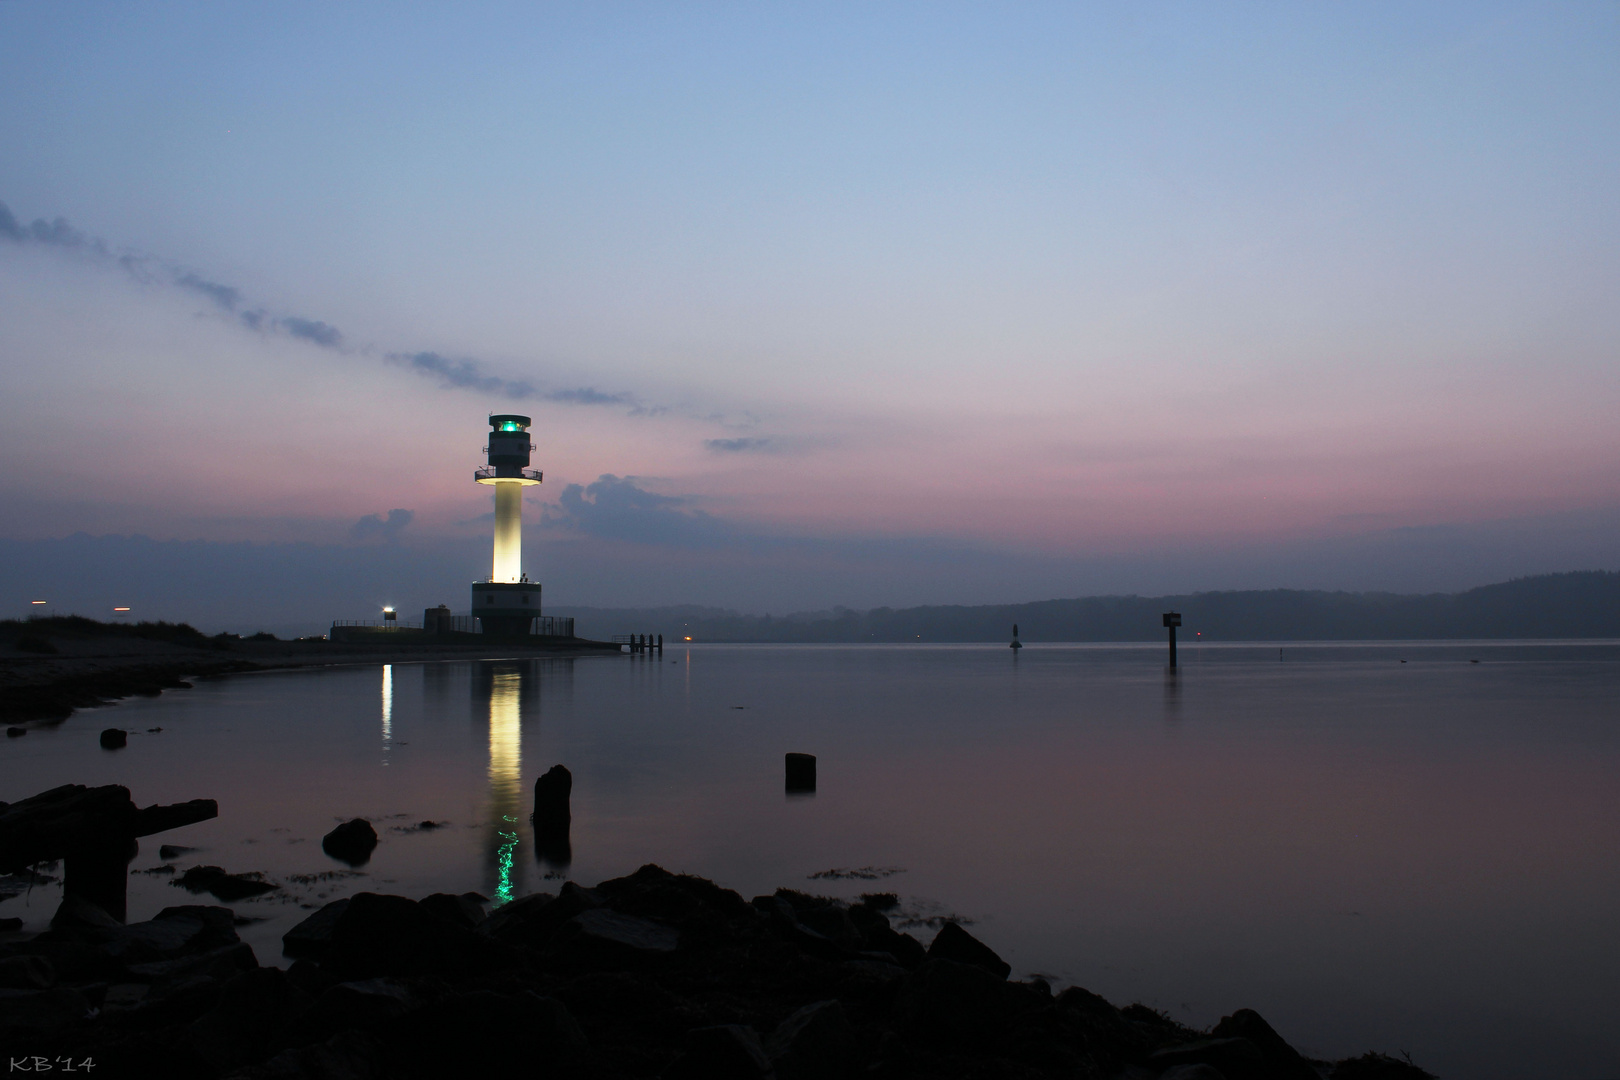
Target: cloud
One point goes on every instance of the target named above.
(617, 508)
(739, 446)
(311, 330)
(470, 375)
(58, 233)
(223, 295)
(452, 374)
(375, 525)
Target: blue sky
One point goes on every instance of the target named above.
(1062, 285)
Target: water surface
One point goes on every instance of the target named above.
(1421, 856)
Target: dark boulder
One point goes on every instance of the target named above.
(222, 963)
(1282, 1062)
(348, 1055)
(351, 842)
(15, 732)
(250, 1020)
(27, 972)
(313, 936)
(1192, 1072)
(227, 887)
(465, 910)
(362, 1004)
(1377, 1067)
(605, 940)
(529, 920)
(954, 943)
(816, 1043)
(27, 1016)
(953, 1003)
(113, 738)
(391, 935)
(173, 1001)
(483, 1033)
(721, 1052)
(1237, 1059)
(879, 936)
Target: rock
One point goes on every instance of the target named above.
(954, 1003)
(879, 936)
(172, 933)
(27, 973)
(1377, 1067)
(815, 1043)
(1192, 1072)
(16, 732)
(227, 887)
(529, 920)
(26, 1016)
(465, 910)
(169, 1002)
(721, 1052)
(249, 1021)
(391, 935)
(348, 1055)
(800, 773)
(1283, 1062)
(1236, 1059)
(113, 738)
(8, 926)
(223, 963)
(362, 1004)
(77, 913)
(352, 842)
(603, 939)
(482, 1033)
(703, 912)
(173, 851)
(313, 936)
(954, 943)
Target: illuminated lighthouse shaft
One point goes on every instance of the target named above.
(508, 602)
(508, 564)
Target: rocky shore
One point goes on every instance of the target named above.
(49, 668)
(650, 975)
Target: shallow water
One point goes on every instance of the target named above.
(1418, 857)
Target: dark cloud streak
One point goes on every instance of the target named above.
(464, 374)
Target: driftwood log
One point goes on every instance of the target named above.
(94, 831)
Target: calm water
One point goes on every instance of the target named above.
(1420, 857)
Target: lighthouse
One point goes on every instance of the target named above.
(508, 601)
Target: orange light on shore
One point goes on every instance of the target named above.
(39, 601)
(688, 639)
(120, 609)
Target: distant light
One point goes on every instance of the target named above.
(385, 609)
(39, 601)
(120, 609)
(511, 425)
(688, 639)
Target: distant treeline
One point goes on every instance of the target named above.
(1585, 604)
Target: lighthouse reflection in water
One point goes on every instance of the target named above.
(513, 693)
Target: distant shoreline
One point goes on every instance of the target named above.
(94, 670)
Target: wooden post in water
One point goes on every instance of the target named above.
(1172, 619)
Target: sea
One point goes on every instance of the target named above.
(1412, 848)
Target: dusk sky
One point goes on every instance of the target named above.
(821, 304)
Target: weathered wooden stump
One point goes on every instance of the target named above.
(94, 832)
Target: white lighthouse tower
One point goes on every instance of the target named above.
(508, 601)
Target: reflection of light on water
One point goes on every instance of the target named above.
(503, 863)
(387, 708)
(505, 775)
